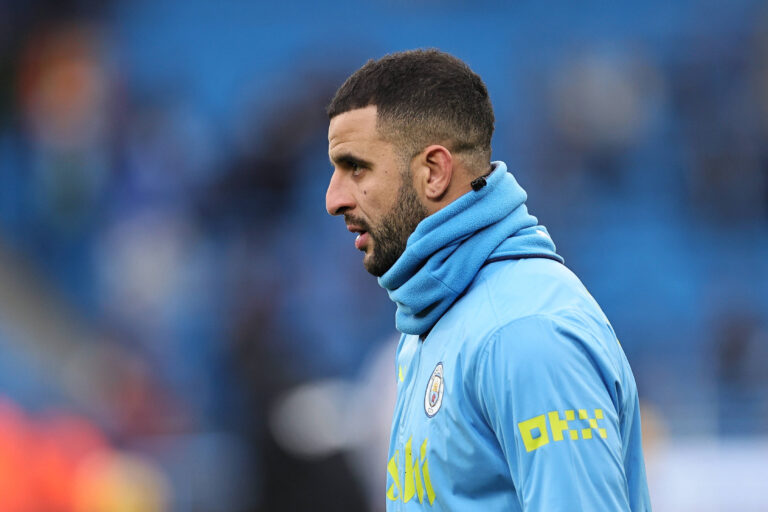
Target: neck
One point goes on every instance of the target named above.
(446, 250)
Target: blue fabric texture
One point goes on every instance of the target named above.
(445, 252)
(513, 392)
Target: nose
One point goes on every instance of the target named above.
(337, 198)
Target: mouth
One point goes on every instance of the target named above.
(362, 239)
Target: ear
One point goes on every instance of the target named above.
(437, 162)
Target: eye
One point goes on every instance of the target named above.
(356, 168)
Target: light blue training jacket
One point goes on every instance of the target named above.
(513, 392)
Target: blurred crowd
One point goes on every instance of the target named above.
(168, 273)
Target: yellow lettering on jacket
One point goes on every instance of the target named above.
(534, 432)
(416, 481)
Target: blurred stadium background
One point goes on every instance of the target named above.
(184, 329)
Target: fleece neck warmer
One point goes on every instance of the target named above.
(447, 249)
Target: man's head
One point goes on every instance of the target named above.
(407, 134)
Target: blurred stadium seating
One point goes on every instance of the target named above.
(172, 292)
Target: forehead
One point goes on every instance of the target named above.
(353, 128)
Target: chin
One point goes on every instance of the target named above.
(370, 268)
(370, 265)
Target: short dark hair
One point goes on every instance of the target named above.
(423, 97)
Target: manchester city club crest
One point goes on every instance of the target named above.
(433, 399)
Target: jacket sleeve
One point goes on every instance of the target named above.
(550, 392)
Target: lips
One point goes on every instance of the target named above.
(362, 239)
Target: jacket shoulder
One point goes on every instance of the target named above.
(519, 298)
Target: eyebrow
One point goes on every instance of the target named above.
(349, 158)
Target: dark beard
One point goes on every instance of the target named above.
(391, 235)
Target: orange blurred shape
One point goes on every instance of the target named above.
(119, 482)
(63, 85)
(62, 443)
(15, 462)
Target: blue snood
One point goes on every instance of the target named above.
(448, 248)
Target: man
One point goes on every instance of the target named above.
(513, 391)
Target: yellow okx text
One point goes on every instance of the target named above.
(535, 435)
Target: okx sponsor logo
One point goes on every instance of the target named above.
(535, 435)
